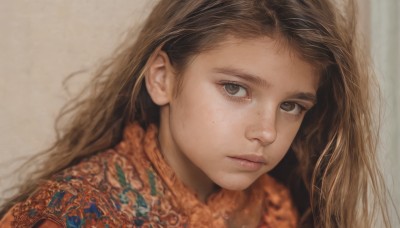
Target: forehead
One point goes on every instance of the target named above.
(265, 57)
(274, 44)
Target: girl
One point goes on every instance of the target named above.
(180, 129)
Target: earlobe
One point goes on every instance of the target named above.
(158, 78)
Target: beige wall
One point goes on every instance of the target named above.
(41, 43)
(385, 45)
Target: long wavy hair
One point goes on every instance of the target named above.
(331, 167)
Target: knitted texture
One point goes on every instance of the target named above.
(131, 185)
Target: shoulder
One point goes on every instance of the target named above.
(70, 204)
(79, 196)
(280, 210)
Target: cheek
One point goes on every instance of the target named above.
(193, 114)
(204, 105)
(203, 121)
(287, 134)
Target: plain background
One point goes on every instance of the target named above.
(44, 41)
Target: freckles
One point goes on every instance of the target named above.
(212, 111)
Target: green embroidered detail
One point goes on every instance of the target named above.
(56, 199)
(71, 199)
(142, 209)
(141, 206)
(123, 198)
(68, 178)
(140, 201)
(152, 181)
(121, 176)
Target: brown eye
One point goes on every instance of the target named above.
(232, 88)
(235, 90)
(286, 106)
(292, 108)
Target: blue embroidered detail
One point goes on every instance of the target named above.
(138, 222)
(73, 222)
(115, 203)
(93, 210)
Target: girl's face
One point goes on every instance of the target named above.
(237, 113)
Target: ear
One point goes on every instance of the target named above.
(158, 77)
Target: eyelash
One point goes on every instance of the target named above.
(241, 98)
(230, 83)
(301, 107)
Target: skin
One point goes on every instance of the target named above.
(244, 97)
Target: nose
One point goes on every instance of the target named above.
(263, 129)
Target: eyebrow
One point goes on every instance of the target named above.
(306, 96)
(243, 75)
(259, 81)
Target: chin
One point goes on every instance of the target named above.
(235, 183)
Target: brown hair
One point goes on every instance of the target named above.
(331, 167)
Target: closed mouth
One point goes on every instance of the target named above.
(250, 158)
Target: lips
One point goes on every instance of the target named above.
(250, 158)
(248, 163)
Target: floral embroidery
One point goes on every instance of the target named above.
(132, 186)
